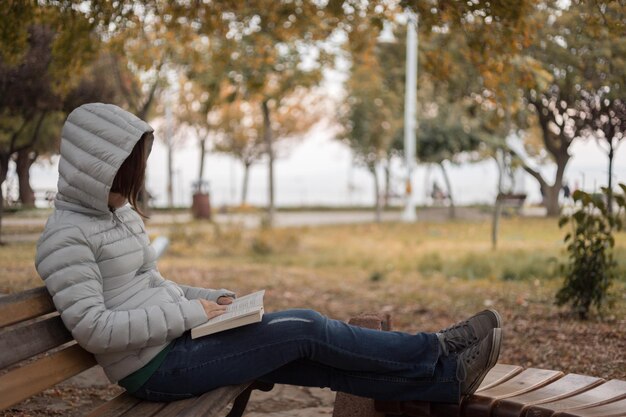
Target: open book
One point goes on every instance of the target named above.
(245, 310)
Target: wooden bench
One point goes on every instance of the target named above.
(511, 391)
(37, 352)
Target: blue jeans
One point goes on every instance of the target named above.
(302, 347)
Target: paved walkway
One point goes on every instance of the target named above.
(159, 222)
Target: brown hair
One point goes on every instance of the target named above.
(129, 180)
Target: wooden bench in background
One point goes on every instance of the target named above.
(37, 352)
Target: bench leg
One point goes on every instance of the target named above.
(241, 402)
(347, 405)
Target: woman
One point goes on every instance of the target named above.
(96, 261)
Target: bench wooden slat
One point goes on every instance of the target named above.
(498, 374)
(481, 403)
(213, 403)
(614, 409)
(174, 408)
(608, 392)
(25, 305)
(144, 409)
(567, 386)
(116, 406)
(32, 340)
(30, 379)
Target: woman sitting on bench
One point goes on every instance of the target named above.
(96, 261)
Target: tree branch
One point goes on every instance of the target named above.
(534, 173)
(34, 138)
(145, 106)
(601, 13)
(120, 82)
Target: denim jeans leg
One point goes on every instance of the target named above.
(195, 366)
(442, 387)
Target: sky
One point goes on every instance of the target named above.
(319, 171)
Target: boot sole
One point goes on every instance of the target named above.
(496, 342)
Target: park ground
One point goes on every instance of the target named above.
(425, 275)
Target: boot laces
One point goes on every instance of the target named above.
(472, 354)
(459, 337)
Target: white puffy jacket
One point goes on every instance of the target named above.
(97, 264)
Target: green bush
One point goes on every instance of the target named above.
(591, 268)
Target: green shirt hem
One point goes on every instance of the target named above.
(135, 380)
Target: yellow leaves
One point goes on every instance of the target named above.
(13, 31)
(533, 138)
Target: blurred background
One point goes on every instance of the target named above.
(513, 98)
(399, 157)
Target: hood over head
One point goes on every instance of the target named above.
(95, 140)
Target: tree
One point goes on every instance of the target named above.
(606, 122)
(577, 46)
(601, 98)
(241, 124)
(270, 50)
(27, 97)
(44, 48)
(203, 92)
(368, 119)
(445, 138)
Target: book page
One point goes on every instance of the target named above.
(245, 305)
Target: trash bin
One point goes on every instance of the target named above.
(201, 201)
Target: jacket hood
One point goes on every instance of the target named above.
(95, 140)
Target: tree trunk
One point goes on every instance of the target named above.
(23, 162)
(446, 178)
(200, 181)
(25, 158)
(387, 182)
(609, 200)
(244, 187)
(550, 193)
(497, 209)
(551, 200)
(170, 175)
(267, 137)
(377, 196)
(202, 157)
(4, 170)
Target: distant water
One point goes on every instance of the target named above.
(319, 171)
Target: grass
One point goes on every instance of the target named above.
(426, 275)
(394, 254)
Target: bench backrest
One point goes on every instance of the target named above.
(32, 334)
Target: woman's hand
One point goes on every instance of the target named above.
(212, 309)
(225, 300)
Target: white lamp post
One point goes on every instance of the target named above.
(410, 113)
